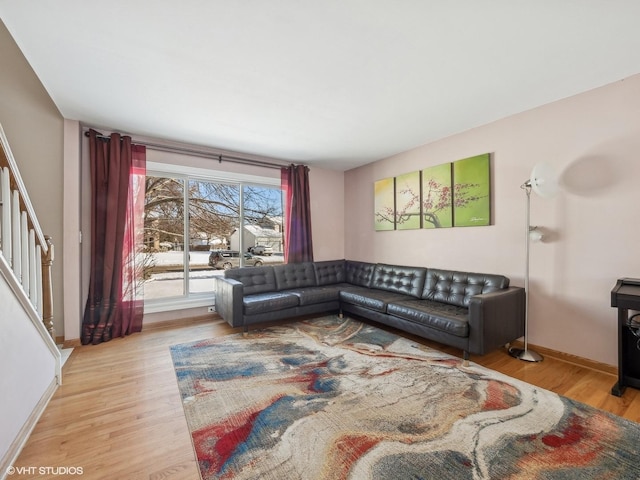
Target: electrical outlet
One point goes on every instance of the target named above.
(211, 309)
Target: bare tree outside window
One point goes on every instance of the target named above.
(163, 213)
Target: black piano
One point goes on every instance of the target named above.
(626, 296)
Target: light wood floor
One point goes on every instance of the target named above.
(118, 413)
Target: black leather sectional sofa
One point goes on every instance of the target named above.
(472, 311)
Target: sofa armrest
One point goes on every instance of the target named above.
(229, 294)
(496, 319)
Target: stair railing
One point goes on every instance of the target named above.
(27, 254)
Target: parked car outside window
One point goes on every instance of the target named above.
(227, 259)
(261, 250)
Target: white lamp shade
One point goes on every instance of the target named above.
(544, 181)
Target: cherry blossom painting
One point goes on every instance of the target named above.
(454, 194)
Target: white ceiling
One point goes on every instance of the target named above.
(334, 83)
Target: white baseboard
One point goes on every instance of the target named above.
(21, 439)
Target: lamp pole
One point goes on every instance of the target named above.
(526, 354)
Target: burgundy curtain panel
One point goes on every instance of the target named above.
(298, 245)
(114, 307)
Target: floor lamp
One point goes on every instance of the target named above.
(544, 183)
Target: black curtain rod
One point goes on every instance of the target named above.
(198, 153)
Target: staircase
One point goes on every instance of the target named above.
(30, 361)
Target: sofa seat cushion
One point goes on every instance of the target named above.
(313, 295)
(268, 302)
(370, 298)
(440, 316)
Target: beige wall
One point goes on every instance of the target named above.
(34, 128)
(592, 141)
(327, 213)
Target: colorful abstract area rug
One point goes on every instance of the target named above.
(333, 398)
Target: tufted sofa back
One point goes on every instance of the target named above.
(394, 278)
(457, 288)
(359, 273)
(329, 272)
(295, 275)
(254, 279)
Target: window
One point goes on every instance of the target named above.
(192, 232)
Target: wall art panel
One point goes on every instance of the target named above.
(384, 204)
(408, 201)
(472, 191)
(437, 207)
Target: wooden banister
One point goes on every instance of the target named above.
(47, 292)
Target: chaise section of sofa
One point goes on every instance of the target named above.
(471, 311)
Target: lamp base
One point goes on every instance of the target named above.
(526, 355)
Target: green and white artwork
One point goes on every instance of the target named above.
(454, 194)
(472, 191)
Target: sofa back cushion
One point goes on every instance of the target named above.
(329, 272)
(359, 273)
(254, 279)
(399, 279)
(295, 275)
(457, 288)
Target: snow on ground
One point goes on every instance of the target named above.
(177, 258)
(171, 284)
